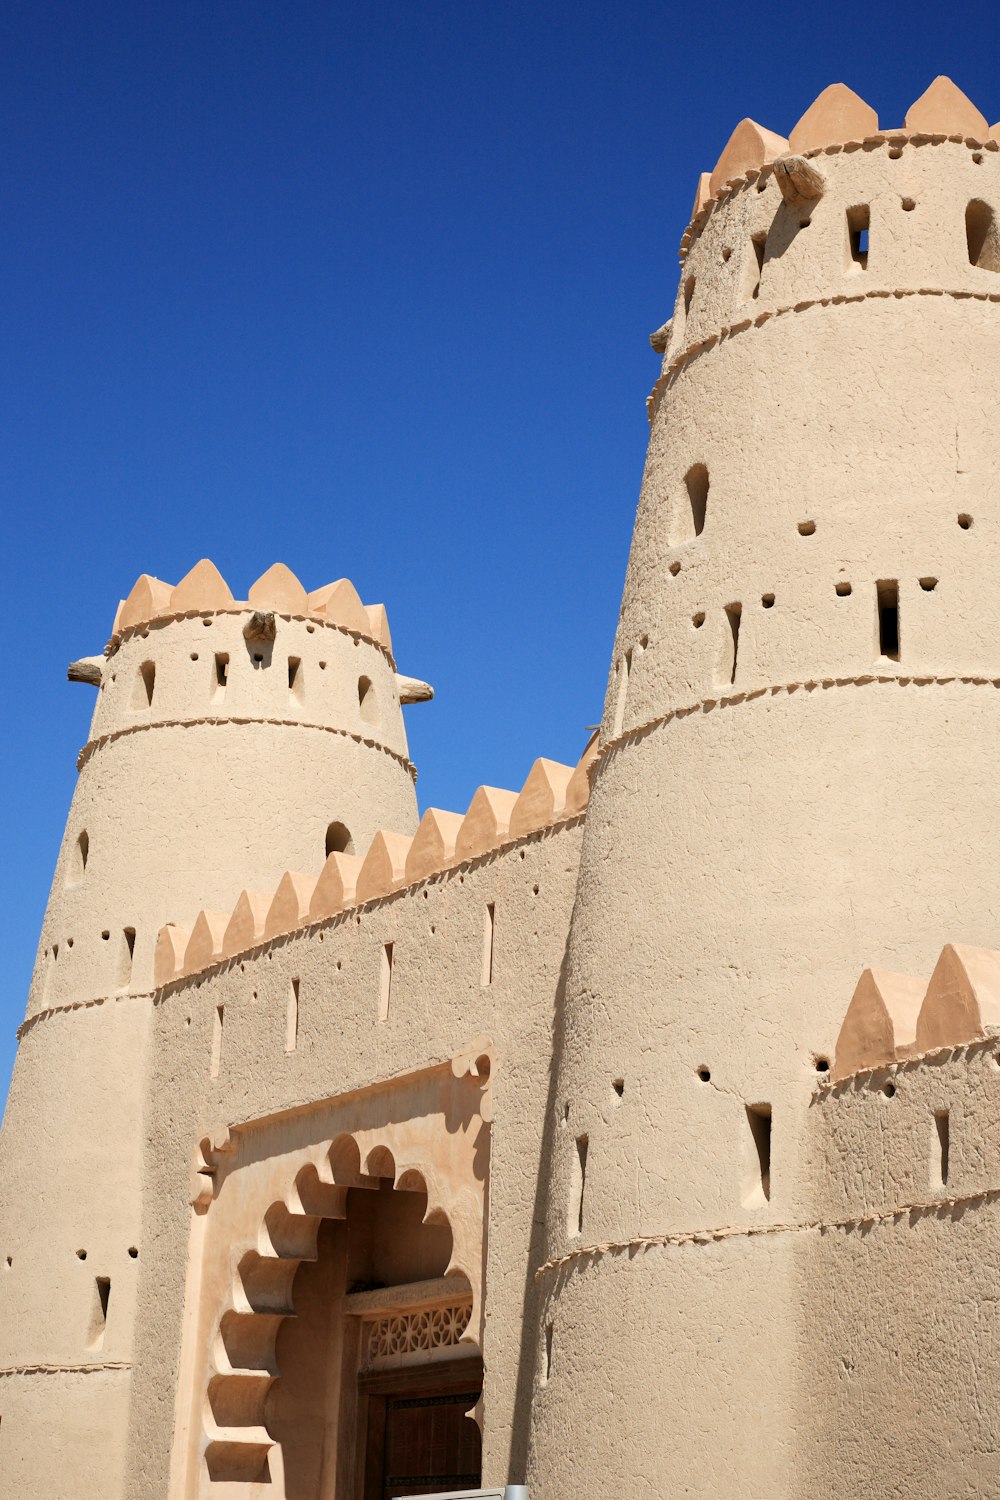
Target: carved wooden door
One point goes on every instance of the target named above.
(419, 1440)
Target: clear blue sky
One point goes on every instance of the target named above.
(364, 287)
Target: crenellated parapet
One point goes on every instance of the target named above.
(898, 1017)
(265, 732)
(837, 119)
(203, 590)
(817, 502)
(496, 819)
(192, 653)
(840, 209)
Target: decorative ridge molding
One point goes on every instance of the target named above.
(881, 139)
(896, 1065)
(274, 1231)
(30, 1022)
(808, 685)
(389, 1300)
(239, 607)
(91, 1369)
(241, 719)
(922, 1207)
(356, 911)
(896, 1019)
(730, 330)
(307, 930)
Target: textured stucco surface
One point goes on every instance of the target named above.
(702, 1270)
(439, 1006)
(184, 802)
(765, 822)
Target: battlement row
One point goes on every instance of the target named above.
(204, 590)
(897, 1017)
(838, 117)
(444, 840)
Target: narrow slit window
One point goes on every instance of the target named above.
(367, 701)
(99, 1312)
(981, 236)
(489, 923)
(292, 1017)
(217, 1025)
(126, 953)
(50, 971)
(549, 1330)
(941, 1144)
(758, 244)
(145, 685)
(858, 224)
(887, 597)
(689, 286)
(385, 987)
(757, 1178)
(621, 696)
(221, 676)
(578, 1184)
(78, 859)
(295, 678)
(729, 656)
(690, 507)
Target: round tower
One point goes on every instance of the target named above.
(796, 773)
(231, 741)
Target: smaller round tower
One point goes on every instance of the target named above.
(231, 741)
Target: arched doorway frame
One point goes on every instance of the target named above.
(261, 1191)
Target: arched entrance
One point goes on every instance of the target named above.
(375, 1384)
(334, 1305)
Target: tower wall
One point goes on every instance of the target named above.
(793, 776)
(208, 771)
(896, 1337)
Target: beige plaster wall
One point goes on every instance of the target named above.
(765, 821)
(756, 836)
(438, 1007)
(184, 802)
(897, 1341)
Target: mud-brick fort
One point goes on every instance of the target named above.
(633, 1132)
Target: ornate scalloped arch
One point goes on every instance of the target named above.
(419, 1154)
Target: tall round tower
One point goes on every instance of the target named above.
(797, 773)
(231, 741)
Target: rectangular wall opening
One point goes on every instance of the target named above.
(621, 694)
(50, 971)
(729, 654)
(145, 685)
(217, 1024)
(99, 1312)
(385, 987)
(295, 678)
(759, 244)
(940, 1148)
(292, 1017)
(489, 923)
(578, 1182)
(858, 222)
(887, 596)
(982, 236)
(221, 676)
(549, 1327)
(126, 953)
(757, 1156)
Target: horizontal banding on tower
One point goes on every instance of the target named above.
(757, 252)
